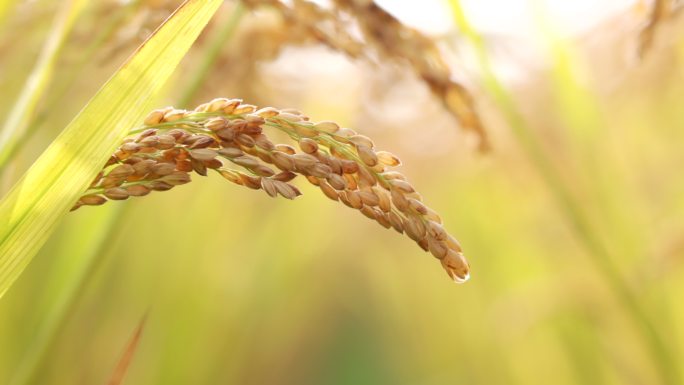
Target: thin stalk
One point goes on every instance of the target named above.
(124, 363)
(212, 54)
(64, 305)
(573, 210)
(21, 113)
(660, 10)
(579, 110)
(76, 71)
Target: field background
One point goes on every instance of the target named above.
(576, 252)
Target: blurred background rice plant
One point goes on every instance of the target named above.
(572, 221)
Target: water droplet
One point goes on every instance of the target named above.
(463, 279)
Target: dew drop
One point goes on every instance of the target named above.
(462, 279)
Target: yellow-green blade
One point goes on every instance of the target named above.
(34, 206)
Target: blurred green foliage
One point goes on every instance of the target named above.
(243, 289)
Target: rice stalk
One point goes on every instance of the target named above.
(130, 34)
(230, 138)
(106, 31)
(86, 262)
(223, 35)
(573, 210)
(385, 37)
(660, 11)
(259, 40)
(22, 112)
(125, 362)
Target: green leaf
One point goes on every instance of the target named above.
(35, 205)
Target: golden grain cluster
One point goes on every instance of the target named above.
(229, 137)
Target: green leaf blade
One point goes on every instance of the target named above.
(34, 206)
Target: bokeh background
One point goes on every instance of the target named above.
(576, 251)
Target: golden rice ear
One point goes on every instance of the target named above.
(342, 164)
(379, 35)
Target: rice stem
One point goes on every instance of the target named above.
(573, 210)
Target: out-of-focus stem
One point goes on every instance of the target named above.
(76, 71)
(213, 52)
(64, 305)
(36, 84)
(574, 212)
